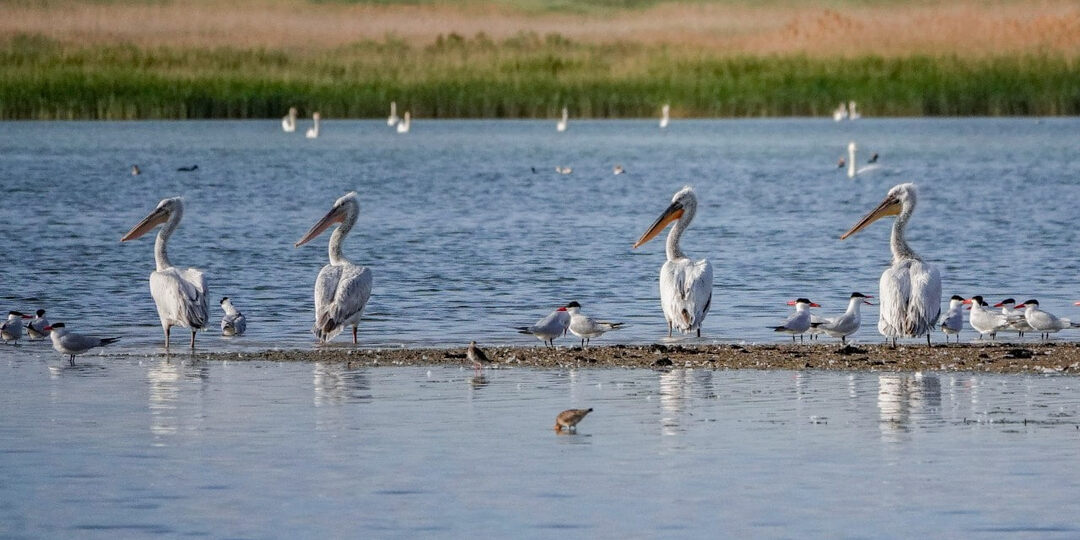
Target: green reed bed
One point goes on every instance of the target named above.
(525, 77)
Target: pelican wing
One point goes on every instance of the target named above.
(686, 292)
(341, 292)
(910, 293)
(180, 297)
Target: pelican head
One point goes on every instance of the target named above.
(684, 202)
(164, 211)
(344, 210)
(899, 197)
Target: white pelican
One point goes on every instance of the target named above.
(12, 328)
(404, 125)
(586, 327)
(393, 118)
(846, 324)
(685, 286)
(288, 122)
(953, 322)
(910, 289)
(851, 159)
(36, 328)
(840, 113)
(313, 131)
(180, 295)
(1018, 324)
(1042, 321)
(561, 125)
(569, 419)
(799, 322)
(547, 329)
(476, 356)
(71, 344)
(665, 116)
(983, 320)
(852, 113)
(342, 288)
(233, 323)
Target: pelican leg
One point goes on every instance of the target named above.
(928, 340)
(71, 361)
(698, 332)
(843, 340)
(669, 329)
(354, 334)
(167, 329)
(192, 338)
(793, 338)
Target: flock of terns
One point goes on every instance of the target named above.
(909, 289)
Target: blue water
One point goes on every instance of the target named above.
(465, 241)
(154, 447)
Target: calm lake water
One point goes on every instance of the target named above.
(465, 241)
(129, 447)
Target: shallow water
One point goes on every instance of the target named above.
(465, 241)
(169, 447)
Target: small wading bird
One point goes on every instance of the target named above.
(561, 125)
(405, 125)
(685, 285)
(233, 323)
(71, 344)
(1043, 322)
(313, 131)
(983, 320)
(288, 122)
(910, 289)
(393, 118)
(569, 419)
(586, 327)
(180, 295)
(36, 328)
(12, 328)
(846, 324)
(953, 321)
(550, 327)
(799, 322)
(476, 356)
(342, 288)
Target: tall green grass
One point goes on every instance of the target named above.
(525, 77)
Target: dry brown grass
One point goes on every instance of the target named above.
(965, 28)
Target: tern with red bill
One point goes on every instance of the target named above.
(799, 322)
(910, 289)
(585, 327)
(36, 328)
(953, 321)
(12, 328)
(72, 344)
(846, 324)
(1016, 316)
(983, 320)
(180, 295)
(1044, 322)
(686, 286)
(547, 329)
(342, 288)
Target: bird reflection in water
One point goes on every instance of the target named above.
(904, 400)
(673, 389)
(335, 384)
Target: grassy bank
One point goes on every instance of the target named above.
(525, 76)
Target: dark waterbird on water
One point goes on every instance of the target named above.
(188, 169)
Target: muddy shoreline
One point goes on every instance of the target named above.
(1061, 358)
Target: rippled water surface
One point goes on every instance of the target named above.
(130, 447)
(465, 241)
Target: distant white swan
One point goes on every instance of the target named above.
(853, 114)
(313, 131)
(840, 113)
(288, 122)
(665, 116)
(393, 118)
(561, 125)
(404, 125)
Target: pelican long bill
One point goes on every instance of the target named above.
(157, 217)
(888, 207)
(672, 213)
(335, 215)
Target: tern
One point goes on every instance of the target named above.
(1044, 322)
(799, 322)
(550, 327)
(983, 320)
(12, 328)
(1018, 324)
(910, 289)
(953, 321)
(36, 328)
(233, 323)
(71, 344)
(846, 324)
(586, 327)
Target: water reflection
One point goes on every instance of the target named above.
(164, 395)
(904, 400)
(674, 387)
(335, 384)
